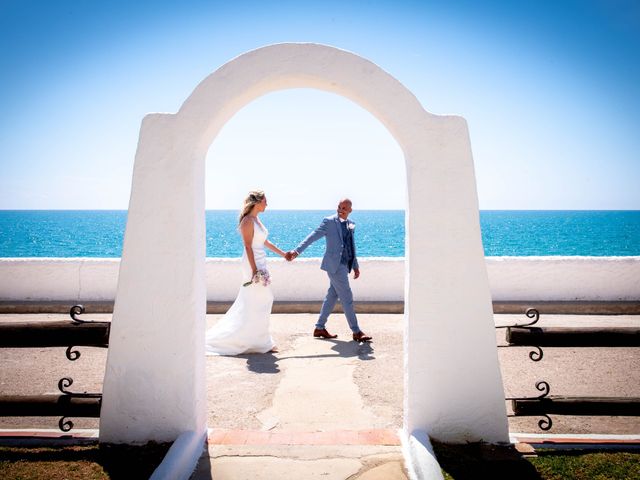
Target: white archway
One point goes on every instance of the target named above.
(154, 385)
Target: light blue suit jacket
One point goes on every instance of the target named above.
(332, 231)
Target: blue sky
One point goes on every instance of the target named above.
(550, 91)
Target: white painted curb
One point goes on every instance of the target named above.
(182, 458)
(419, 458)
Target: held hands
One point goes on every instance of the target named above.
(291, 255)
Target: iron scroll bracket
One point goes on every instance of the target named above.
(534, 355)
(79, 310)
(530, 313)
(76, 310)
(65, 424)
(545, 423)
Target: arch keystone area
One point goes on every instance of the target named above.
(154, 386)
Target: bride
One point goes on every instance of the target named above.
(245, 327)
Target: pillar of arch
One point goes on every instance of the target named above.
(154, 386)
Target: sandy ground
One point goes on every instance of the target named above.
(239, 388)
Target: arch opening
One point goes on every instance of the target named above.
(330, 144)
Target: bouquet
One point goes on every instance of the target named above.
(261, 276)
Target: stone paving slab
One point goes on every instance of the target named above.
(336, 462)
(332, 437)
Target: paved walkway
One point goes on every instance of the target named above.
(333, 455)
(331, 409)
(316, 423)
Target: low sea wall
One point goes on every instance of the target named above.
(382, 279)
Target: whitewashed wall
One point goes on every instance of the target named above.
(510, 278)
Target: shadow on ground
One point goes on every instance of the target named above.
(86, 461)
(480, 460)
(268, 362)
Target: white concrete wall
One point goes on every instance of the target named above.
(510, 278)
(564, 278)
(81, 279)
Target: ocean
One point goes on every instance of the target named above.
(379, 233)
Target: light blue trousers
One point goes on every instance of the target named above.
(339, 289)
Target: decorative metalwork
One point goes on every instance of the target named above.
(72, 355)
(534, 355)
(77, 310)
(65, 424)
(530, 313)
(544, 423)
(63, 383)
(543, 387)
(74, 312)
(62, 334)
(66, 382)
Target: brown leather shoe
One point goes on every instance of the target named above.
(361, 337)
(322, 333)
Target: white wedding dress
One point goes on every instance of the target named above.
(245, 326)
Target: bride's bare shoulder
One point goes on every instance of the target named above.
(246, 223)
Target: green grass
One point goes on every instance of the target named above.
(86, 462)
(588, 466)
(477, 460)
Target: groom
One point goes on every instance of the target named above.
(339, 258)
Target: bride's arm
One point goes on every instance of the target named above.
(246, 228)
(273, 248)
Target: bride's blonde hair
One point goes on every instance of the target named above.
(253, 198)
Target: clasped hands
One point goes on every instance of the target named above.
(290, 255)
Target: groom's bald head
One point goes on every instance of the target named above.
(344, 208)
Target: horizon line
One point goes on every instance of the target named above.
(328, 209)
